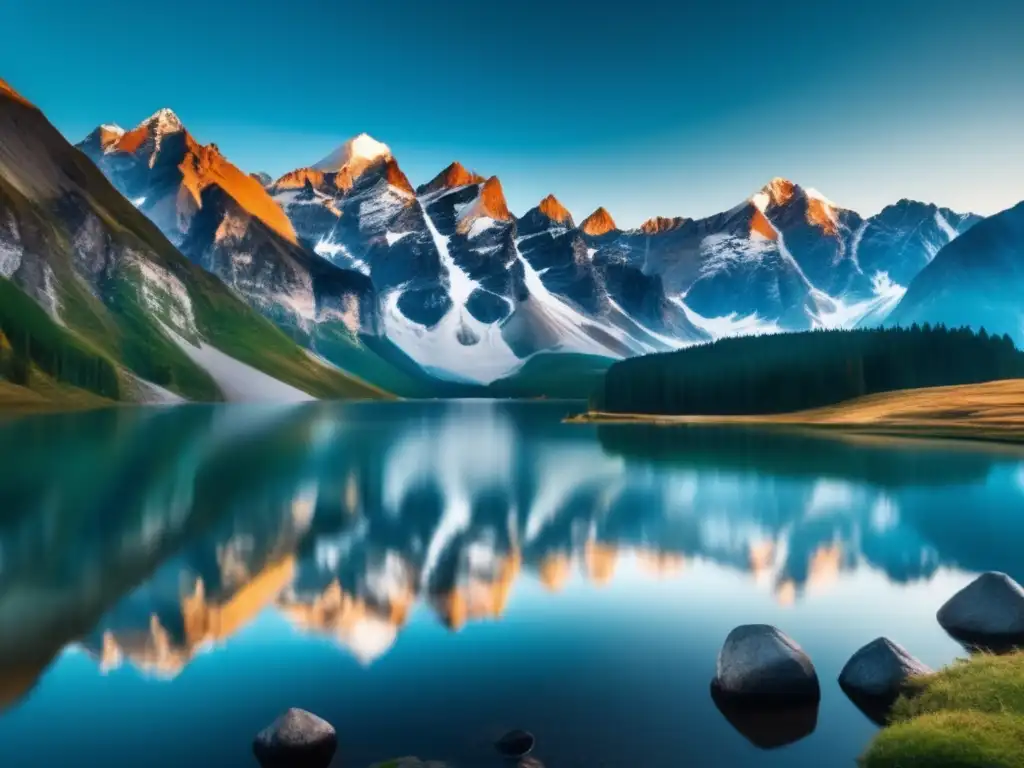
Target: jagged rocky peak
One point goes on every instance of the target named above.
(355, 154)
(778, 191)
(600, 222)
(821, 212)
(454, 176)
(298, 179)
(162, 122)
(489, 204)
(660, 224)
(554, 210)
(492, 200)
(396, 176)
(149, 132)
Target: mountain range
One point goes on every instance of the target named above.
(440, 289)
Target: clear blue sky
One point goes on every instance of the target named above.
(647, 107)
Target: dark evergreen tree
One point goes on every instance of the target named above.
(795, 371)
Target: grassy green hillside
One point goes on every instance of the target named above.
(116, 283)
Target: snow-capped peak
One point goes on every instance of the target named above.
(163, 121)
(360, 150)
(778, 191)
(816, 195)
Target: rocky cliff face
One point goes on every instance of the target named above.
(109, 279)
(230, 224)
(975, 280)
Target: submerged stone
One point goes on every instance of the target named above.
(767, 726)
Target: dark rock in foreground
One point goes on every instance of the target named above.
(759, 664)
(767, 726)
(880, 670)
(988, 613)
(297, 739)
(515, 743)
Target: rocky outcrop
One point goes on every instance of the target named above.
(760, 664)
(880, 670)
(297, 739)
(599, 223)
(454, 176)
(987, 613)
(555, 211)
(660, 224)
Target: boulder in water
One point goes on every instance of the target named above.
(297, 739)
(759, 663)
(880, 670)
(987, 613)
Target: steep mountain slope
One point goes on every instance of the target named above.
(903, 238)
(114, 290)
(460, 296)
(976, 280)
(226, 222)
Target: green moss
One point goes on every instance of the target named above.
(969, 715)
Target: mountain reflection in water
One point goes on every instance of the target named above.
(148, 536)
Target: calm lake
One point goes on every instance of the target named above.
(427, 576)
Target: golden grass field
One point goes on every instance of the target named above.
(991, 411)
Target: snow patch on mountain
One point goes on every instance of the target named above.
(729, 325)
(945, 226)
(461, 285)
(439, 351)
(363, 147)
(855, 244)
(148, 393)
(814, 194)
(479, 226)
(394, 237)
(338, 254)
(836, 313)
(240, 383)
(721, 252)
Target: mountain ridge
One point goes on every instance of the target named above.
(470, 290)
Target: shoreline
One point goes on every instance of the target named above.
(990, 413)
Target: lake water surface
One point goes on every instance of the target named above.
(427, 576)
